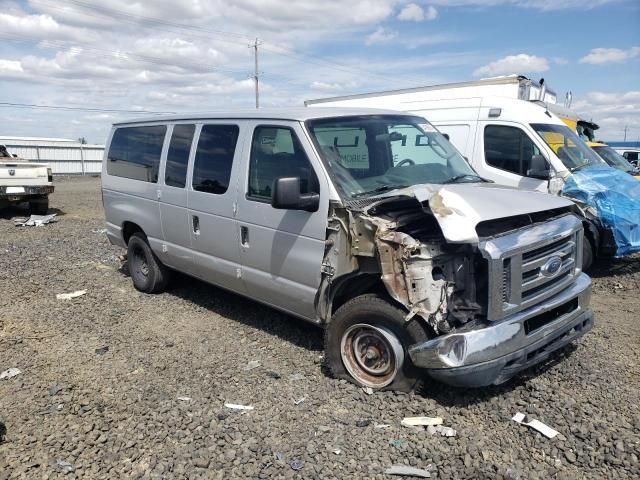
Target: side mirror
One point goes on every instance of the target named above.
(287, 196)
(539, 168)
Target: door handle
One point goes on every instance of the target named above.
(195, 221)
(244, 236)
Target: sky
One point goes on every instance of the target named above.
(94, 63)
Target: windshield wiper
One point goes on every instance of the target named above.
(384, 188)
(580, 167)
(466, 175)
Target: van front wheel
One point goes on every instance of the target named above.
(366, 343)
(148, 273)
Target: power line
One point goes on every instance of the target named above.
(82, 109)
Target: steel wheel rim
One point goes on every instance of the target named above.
(372, 355)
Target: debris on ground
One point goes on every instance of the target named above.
(367, 390)
(99, 230)
(251, 365)
(337, 451)
(442, 430)
(235, 406)
(421, 421)
(35, 220)
(184, 399)
(297, 464)
(300, 400)
(274, 375)
(69, 296)
(102, 350)
(523, 419)
(381, 425)
(62, 466)
(405, 470)
(9, 373)
(363, 423)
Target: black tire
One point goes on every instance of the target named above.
(39, 206)
(587, 253)
(373, 312)
(148, 273)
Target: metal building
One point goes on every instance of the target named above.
(66, 157)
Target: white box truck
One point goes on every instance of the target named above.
(504, 128)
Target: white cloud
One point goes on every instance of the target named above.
(415, 13)
(521, 63)
(41, 27)
(381, 35)
(613, 111)
(598, 56)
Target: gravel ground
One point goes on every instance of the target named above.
(152, 405)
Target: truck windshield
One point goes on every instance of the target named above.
(572, 151)
(370, 154)
(613, 158)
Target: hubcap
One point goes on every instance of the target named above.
(372, 355)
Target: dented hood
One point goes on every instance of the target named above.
(458, 208)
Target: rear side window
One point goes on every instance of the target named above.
(135, 152)
(509, 148)
(214, 157)
(275, 153)
(178, 155)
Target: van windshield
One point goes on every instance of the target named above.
(572, 151)
(370, 154)
(613, 158)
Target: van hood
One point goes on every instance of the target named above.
(459, 208)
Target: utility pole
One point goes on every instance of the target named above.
(625, 132)
(256, 73)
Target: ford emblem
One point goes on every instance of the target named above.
(12, 172)
(551, 267)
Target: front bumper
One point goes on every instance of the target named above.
(495, 353)
(22, 193)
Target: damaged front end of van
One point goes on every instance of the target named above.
(493, 274)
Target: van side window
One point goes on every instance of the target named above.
(275, 153)
(509, 148)
(178, 155)
(135, 152)
(214, 156)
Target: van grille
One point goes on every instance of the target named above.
(532, 264)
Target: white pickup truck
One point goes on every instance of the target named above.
(24, 181)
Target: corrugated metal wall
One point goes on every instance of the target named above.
(65, 157)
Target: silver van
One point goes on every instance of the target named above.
(413, 264)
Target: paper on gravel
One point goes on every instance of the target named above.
(407, 471)
(442, 430)
(235, 406)
(9, 373)
(421, 421)
(35, 220)
(69, 296)
(547, 431)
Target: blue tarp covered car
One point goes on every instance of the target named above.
(614, 198)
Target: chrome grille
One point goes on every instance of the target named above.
(532, 264)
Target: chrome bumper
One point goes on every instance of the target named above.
(496, 352)
(16, 193)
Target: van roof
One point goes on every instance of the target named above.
(292, 113)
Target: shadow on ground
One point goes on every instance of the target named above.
(300, 333)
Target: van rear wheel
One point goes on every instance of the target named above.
(147, 272)
(366, 343)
